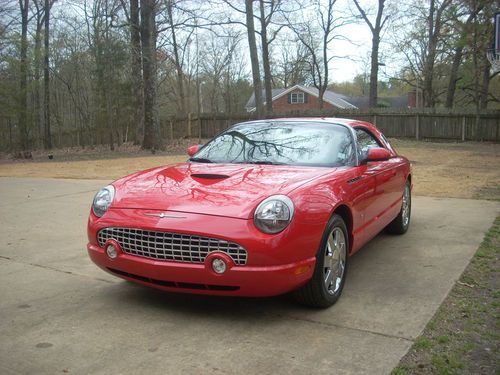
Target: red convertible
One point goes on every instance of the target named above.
(265, 208)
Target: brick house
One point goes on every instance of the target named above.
(300, 98)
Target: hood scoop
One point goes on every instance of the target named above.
(209, 176)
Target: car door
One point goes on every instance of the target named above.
(384, 173)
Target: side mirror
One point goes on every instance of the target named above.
(193, 149)
(378, 154)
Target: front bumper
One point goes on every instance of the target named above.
(276, 264)
(247, 281)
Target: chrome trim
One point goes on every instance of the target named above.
(164, 215)
(168, 246)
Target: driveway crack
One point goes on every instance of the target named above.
(333, 325)
(29, 200)
(55, 269)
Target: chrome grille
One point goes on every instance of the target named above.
(170, 246)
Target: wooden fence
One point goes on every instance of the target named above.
(421, 124)
(417, 125)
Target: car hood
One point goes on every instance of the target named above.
(231, 190)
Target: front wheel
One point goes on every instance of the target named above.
(401, 223)
(325, 287)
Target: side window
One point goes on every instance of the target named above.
(366, 141)
(345, 153)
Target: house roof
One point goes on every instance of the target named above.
(335, 99)
(251, 102)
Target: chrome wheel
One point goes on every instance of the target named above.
(405, 208)
(335, 260)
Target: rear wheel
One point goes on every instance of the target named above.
(401, 223)
(325, 287)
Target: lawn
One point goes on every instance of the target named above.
(458, 170)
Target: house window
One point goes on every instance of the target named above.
(297, 97)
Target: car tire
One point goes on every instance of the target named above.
(402, 222)
(327, 282)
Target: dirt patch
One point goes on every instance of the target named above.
(104, 169)
(98, 162)
(460, 170)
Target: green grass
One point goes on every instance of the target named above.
(443, 339)
(399, 371)
(422, 343)
(447, 365)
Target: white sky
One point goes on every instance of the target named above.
(358, 61)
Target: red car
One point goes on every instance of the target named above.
(265, 208)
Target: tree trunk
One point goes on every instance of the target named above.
(254, 59)
(38, 123)
(151, 136)
(46, 82)
(265, 60)
(374, 70)
(434, 25)
(375, 29)
(23, 81)
(452, 84)
(323, 83)
(483, 97)
(177, 62)
(457, 58)
(137, 90)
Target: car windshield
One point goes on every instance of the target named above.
(290, 143)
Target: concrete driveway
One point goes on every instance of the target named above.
(61, 314)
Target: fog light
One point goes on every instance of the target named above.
(111, 251)
(218, 265)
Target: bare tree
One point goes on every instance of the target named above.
(463, 29)
(46, 78)
(266, 40)
(376, 29)
(177, 59)
(23, 80)
(290, 67)
(317, 40)
(137, 101)
(148, 38)
(424, 45)
(219, 70)
(435, 21)
(254, 59)
(37, 112)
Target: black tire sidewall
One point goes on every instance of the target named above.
(335, 221)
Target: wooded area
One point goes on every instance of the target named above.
(84, 72)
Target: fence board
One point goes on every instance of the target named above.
(456, 126)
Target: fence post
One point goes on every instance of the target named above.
(417, 127)
(497, 138)
(463, 128)
(375, 120)
(199, 127)
(189, 125)
(171, 130)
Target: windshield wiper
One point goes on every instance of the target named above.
(265, 162)
(201, 160)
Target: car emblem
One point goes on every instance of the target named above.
(164, 215)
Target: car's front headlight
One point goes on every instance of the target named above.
(273, 214)
(102, 200)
